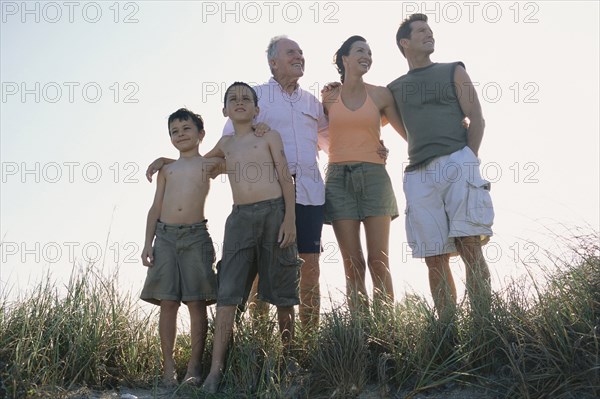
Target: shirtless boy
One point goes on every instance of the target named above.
(260, 232)
(180, 264)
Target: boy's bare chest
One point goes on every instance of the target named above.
(247, 149)
(191, 170)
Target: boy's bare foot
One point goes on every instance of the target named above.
(169, 378)
(169, 382)
(194, 370)
(191, 380)
(193, 376)
(211, 384)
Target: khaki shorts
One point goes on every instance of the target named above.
(446, 198)
(356, 191)
(183, 269)
(250, 247)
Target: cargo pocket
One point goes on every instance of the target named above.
(288, 256)
(410, 234)
(479, 202)
(287, 276)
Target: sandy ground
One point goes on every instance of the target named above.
(372, 392)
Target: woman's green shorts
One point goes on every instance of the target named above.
(356, 191)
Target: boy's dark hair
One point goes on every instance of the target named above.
(240, 84)
(184, 114)
(345, 50)
(405, 30)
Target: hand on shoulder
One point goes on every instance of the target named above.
(271, 134)
(331, 94)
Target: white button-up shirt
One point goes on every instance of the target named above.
(298, 117)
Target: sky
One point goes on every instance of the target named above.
(87, 88)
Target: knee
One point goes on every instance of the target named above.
(470, 248)
(438, 262)
(470, 242)
(196, 305)
(309, 275)
(356, 260)
(285, 311)
(169, 305)
(311, 261)
(378, 261)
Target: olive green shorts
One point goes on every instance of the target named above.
(250, 247)
(356, 191)
(183, 269)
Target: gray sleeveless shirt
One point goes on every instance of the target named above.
(426, 98)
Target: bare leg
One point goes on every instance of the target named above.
(167, 329)
(259, 310)
(199, 328)
(285, 316)
(223, 333)
(442, 286)
(477, 273)
(310, 291)
(347, 233)
(377, 229)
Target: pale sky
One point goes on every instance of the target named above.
(87, 88)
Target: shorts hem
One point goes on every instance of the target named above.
(208, 298)
(423, 256)
(475, 231)
(419, 252)
(230, 301)
(315, 250)
(392, 215)
(281, 303)
(155, 299)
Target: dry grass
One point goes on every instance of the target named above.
(541, 340)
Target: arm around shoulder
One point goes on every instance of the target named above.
(390, 111)
(330, 96)
(156, 165)
(217, 150)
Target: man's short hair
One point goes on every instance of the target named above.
(272, 48)
(184, 114)
(405, 30)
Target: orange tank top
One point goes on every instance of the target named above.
(354, 135)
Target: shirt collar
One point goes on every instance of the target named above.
(272, 81)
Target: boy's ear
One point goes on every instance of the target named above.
(256, 111)
(201, 134)
(224, 112)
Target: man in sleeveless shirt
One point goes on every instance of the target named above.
(448, 205)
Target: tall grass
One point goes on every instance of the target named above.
(541, 340)
(94, 335)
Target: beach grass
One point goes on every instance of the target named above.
(540, 340)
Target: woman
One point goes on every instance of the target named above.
(358, 188)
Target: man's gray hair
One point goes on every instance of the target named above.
(272, 48)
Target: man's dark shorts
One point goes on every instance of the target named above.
(250, 247)
(309, 225)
